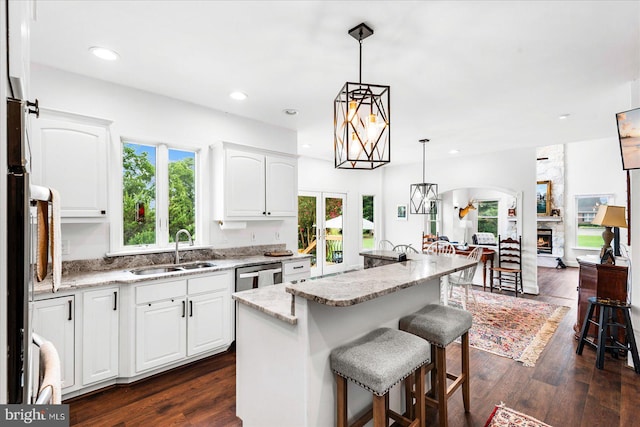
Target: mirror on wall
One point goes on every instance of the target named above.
(467, 211)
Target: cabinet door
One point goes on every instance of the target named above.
(160, 333)
(244, 184)
(99, 335)
(54, 320)
(281, 186)
(209, 322)
(72, 158)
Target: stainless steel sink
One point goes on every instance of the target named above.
(197, 264)
(155, 270)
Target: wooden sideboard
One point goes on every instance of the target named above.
(599, 280)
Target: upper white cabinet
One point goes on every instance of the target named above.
(70, 155)
(253, 184)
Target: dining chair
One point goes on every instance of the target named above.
(440, 247)
(406, 249)
(509, 267)
(385, 245)
(464, 278)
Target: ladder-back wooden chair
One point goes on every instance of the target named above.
(428, 239)
(509, 267)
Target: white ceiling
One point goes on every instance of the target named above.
(473, 76)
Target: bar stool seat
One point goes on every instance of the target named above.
(607, 325)
(440, 325)
(376, 362)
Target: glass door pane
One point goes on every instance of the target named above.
(308, 227)
(333, 227)
(368, 239)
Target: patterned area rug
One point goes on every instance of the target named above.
(517, 328)
(507, 417)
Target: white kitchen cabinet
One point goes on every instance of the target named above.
(70, 155)
(253, 184)
(100, 335)
(160, 333)
(54, 320)
(177, 319)
(296, 270)
(210, 321)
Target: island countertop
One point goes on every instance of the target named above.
(348, 289)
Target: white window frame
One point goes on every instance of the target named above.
(610, 201)
(497, 217)
(162, 200)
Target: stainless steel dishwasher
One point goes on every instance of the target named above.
(257, 276)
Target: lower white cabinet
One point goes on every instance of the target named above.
(160, 333)
(54, 320)
(175, 320)
(296, 270)
(100, 335)
(208, 322)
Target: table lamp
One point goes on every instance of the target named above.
(609, 216)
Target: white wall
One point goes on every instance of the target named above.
(592, 167)
(513, 171)
(320, 175)
(149, 117)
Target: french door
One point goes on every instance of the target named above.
(321, 230)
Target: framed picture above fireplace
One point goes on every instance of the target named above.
(543, 198)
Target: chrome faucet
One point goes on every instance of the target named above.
(181, 231)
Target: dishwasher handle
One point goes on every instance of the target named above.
(256, 273)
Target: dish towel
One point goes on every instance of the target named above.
(265, 278)
(50, 365)
(55, 241)
(42, 220)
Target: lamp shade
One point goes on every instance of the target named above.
(610, 216)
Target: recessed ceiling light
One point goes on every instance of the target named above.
(454, 151)
(290, 111)
(238, 96)
(564, 116)
(104, 53)
(306, 146)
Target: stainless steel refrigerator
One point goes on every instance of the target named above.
(19, 276)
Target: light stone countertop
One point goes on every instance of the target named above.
(363, 285)
(351, 288)
(87, 279)
(382, 254)
(271, 300)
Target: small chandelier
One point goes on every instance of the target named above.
(362, 120)
(424, 196)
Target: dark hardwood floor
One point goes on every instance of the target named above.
(563, 389)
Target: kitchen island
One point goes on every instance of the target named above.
(285, 333)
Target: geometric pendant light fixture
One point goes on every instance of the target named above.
(423, 196)
(362, 120)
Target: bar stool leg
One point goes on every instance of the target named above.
(408, 395)
(631, 342)
(602, 338)
(441, 390)
(420, 411)
(465, 371)
(341, 386)
(379, 411)
(585, 328)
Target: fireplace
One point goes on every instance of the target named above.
(545, 241)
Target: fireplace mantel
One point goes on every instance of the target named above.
(549, 219)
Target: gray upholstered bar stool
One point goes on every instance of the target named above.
(441, 325)
(377, 362)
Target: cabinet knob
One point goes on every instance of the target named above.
(264, 213)
(268, 213)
